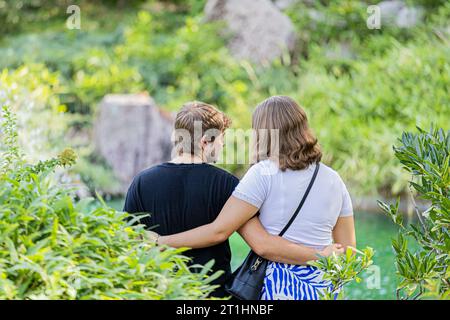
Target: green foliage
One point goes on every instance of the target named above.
(99, 71)
(331, 23)
(25, 14)
(52, 247)
(334, 20)
(11, 154)
(96, 175)
(360, 87)
(84, 61)
(191, 62)
(389, 80)
(424, 272)
(343, 269)
(32, 92)
(12, 13)
(358, 115)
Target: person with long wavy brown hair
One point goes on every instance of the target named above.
(287, 156)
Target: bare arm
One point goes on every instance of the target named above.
(276, 248)
(344, 232)
(234, 214)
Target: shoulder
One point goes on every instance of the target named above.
(148, 174)
(255, 184)
(150, 171)
(332, 176)
(335, 181)
(329, 172)
(134, 189)
(263, 168)
(260, 173)
(221, 173)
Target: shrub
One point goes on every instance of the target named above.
(343, 269)
(424, 272)
(32, 93)
(17, 16)
(52, 247)
(15, 13)
(359, 115)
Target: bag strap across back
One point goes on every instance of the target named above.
(301, 202)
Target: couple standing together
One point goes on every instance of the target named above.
(194, 204)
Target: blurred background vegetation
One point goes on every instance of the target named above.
(360, 87)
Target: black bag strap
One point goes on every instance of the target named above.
(301, 202)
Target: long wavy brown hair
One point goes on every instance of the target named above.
(296, 146)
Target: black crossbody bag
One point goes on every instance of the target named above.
(247, 281)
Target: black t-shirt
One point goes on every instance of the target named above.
(181, 197)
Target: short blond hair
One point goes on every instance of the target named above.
(210, 118)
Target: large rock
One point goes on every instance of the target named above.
(397, 13)
(259, 31)
(284, 4)
(132, 134)
(409, 17)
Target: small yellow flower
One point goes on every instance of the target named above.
(68, 157)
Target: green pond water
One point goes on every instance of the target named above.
(372, 229)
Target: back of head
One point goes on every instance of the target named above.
(196, 120)
(297, 147)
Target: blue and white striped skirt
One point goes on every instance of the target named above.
(292, 282)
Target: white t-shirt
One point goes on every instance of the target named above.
(277, 194)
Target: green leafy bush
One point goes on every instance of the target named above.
(52, 247)
(424, 272)
(17, 16)
(358, 115)
(14, 14)
(84, 62)
(329, 24)
(343, 269)
(32, 93)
